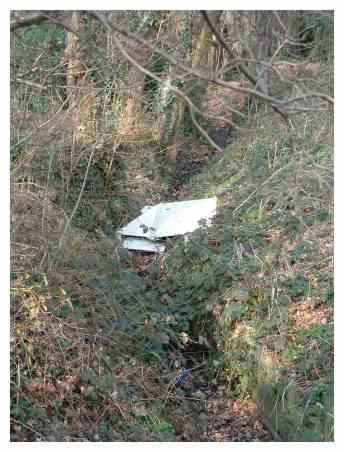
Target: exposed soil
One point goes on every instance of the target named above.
(193, 157)
(239, 422)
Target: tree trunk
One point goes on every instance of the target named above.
(199, 59)
(80, 90)
(136, 80)
(129, 122)
(167, 110)
(263, 49)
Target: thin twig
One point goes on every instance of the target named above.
(18, 385)
(23, 140)
(68, 223)
(158, 79)
(181, 65)
(29, 83)
(46, 188)
(31, 19)
(276, 103)
(191, 105)
(203, 132)
(27, 427)
(262, 185)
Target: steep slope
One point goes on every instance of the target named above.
(226, 338)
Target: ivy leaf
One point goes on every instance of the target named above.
(234, 311)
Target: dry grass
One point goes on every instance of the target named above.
(76, 374)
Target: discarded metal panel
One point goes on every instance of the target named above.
(133, 243)
(166, 220)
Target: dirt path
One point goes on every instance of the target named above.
(192, 158)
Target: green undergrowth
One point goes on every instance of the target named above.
(262, 277)
(99, 335)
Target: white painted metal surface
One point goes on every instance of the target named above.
(133, 243)
(166, 220)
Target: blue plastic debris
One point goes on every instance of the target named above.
(182, 377)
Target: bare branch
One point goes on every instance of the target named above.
(27, 21)
(56, 20)
(177, 91)
(34, 131)
(76, 206)
(191, 105)
(273, 101)
(203, 132)
(170, 58)
(214, 30)
(328, 99)
(276, 104)
(38, 18)
(164, 54)
(29, 83)
(282, 25)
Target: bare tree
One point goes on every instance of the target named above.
(261, 56)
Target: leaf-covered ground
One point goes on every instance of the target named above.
(100, 336)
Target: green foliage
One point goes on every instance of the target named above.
(27, 42)
(112, 320)
(56, 371)
(105, 432)
(25, 409)
(233, 312)
(297, 286)
(296, 416)
(185, 33)
(196, 95)
(161, 429)
(270, 156)
(318, 34)
(319, 152)
(52, 35)
(153, 89)
(302, 251)
(41, 33)
(16, 149)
